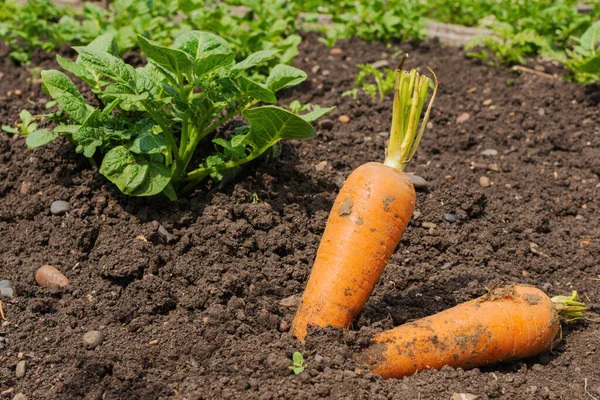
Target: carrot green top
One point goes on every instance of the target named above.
(410, 93)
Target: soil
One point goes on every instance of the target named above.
(204, 314)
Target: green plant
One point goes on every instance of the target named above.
(584, 59)
(298, 365)
(35, 137)
(152, 119)
(384, 82)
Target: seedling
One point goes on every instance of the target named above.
(297, 363)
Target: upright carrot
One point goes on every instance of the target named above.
(504, 325)
(368, 218)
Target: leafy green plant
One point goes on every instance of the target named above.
(383, 82)
(298, 365)
(584, 59)
(35, 137)
(152, 119)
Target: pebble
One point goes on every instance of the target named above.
(446, 266)
(450, 217)
(48, 276)
(320, 166)
(165, 235)
(327, 124)
(463, 396)
(541, 111)
(60, 207)
(418, 182)
(336, 51)
(464, 117)
(546, 286)
(484, 181)
(381, 64)
(25, 186)
(429, 225)
(489, 152)
(291, 301)
(487, 102)
(6, 290)
(20, 371)
(284, 326)
(20, 396)
(344, 119)
(92, 339)
(448, 178)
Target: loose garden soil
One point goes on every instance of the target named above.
(205, 315)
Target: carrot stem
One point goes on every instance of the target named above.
(410, 93)
(569, 308)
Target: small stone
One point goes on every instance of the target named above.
(327, 124)
(20, 371)
(6, 284)
(446, 266)
(429, 225)
(48, 276)
(418, 182)
(60, 207)
(320, 166)
(484, 181)
(448, 178)
(92, 339)
(284, 326)
(464, 117)
(450, 217)
(153, 342)
(383, 134)
(315, 69)
(541, 111)
(165, 235)
(291, 301)
(380, 64)
(463, 396)
(489, 152)
(344, 119)
(25, 186)
(18, 92)
(487, 102)
(6, 290)
(20, 396)
(416, 214)
(336, 51)
(546, 287)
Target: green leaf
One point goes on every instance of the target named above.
(108, 65)
(284, 76)
(316, 113)
(25, 116)
(126, 94)
(256, 90)
(9, 129)
(253, 60)
(149, 143)
(39, 138)
(76, 69)
(270, 124)
(590, 38)
(197, 43)
(297, 358)
(134, 176)
(591, 66)
(105, 43)
(173, 60)
(209, 62)
(88, 140)
(64, 91)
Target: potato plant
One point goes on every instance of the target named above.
(151, 119)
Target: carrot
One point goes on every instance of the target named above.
(368, 218)
(506, 324)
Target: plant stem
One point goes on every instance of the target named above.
(410, 93)
(569, 308)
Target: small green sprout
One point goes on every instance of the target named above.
(297, 363)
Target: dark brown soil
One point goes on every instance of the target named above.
(201, 317)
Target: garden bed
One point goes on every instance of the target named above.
(204, 314)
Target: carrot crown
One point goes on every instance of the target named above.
(569, 308)
(410, 93)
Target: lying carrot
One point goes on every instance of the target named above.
(368, 218)
(506, 324)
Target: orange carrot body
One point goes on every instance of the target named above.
(364, 227)
(507, 324)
